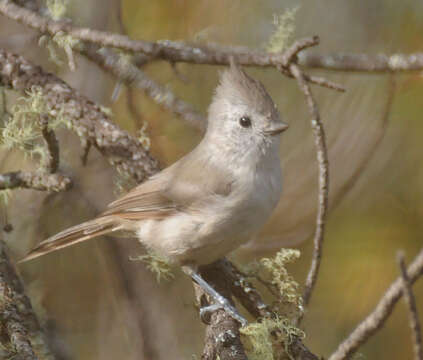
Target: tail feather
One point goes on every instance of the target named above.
(74, 235)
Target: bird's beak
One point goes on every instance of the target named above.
(276, 129)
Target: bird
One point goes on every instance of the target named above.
(212, 200)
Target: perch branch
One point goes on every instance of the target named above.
(252, 301)
(222, 338)
(35, 181)
(376, 319)
(411, 302)
(323, 200)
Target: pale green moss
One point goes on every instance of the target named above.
(143, 136)
(5, 196)
(23, 129)
(269, 338)
(157, 264)
(284, 29)
(289, 299)
(57, 8)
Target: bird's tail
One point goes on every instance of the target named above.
(76, 234)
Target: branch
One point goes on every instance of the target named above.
(52, 145)
(24, 335)
(251, 300)
(222, 339)
(362, 62)
(411, 302)
(174, 51)
(87, 119)
(131, 75)
(376, 319)
(35, 181)
(323, 163)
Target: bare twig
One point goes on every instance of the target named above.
(323, 163)
(411, 302)
(376, 319)
(23, 330)
(35, 181)
(87, 118)
(363, 62)
(52, 145)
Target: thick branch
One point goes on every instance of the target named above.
(35, 181)
(376, 319)
(414, 314)
(87, 119)
(17, 317)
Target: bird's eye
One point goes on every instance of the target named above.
(245, 121)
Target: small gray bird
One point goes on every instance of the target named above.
(213, 199)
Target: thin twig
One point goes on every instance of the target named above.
(35, 181)
(52, 145)
(411, 302)
(131, 75)
(362, 62)
(376, 319)
(323, 200)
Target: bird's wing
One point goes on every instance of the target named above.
(188, 181)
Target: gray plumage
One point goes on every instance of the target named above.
(213, 199)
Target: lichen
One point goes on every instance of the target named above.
(23, 128)
(274, 270)
(57, 8)
(143, 136)
(263, 339)
(284, 29)
(5, 196)
(157, 264)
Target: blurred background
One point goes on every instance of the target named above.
(97, 304)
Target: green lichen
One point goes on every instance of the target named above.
(284, 29)
(269, 338)
(289, 299)
(57, 8)
(60, 46)
(143, 136)
(23, 129)
(5, 196)
(157, 264)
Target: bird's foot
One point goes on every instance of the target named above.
(221, 301)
